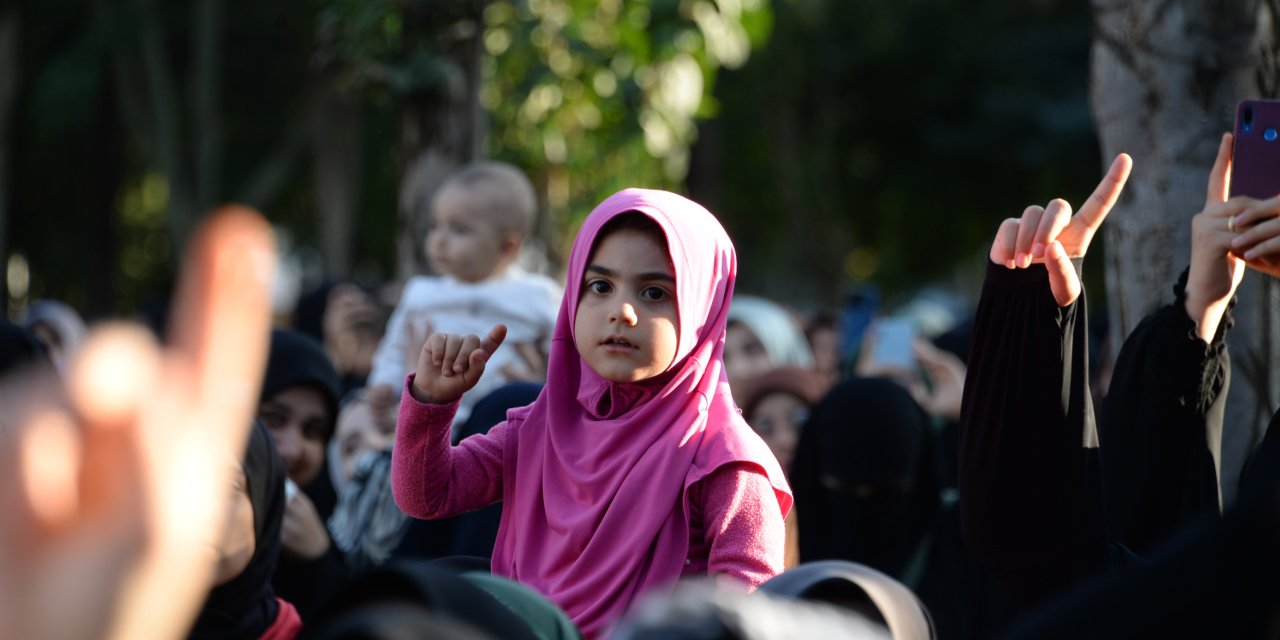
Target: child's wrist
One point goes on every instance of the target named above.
(426, 397)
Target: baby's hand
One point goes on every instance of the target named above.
(450, 364)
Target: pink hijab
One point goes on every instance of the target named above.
(597, 474)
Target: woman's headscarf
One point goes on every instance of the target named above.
(597, 473)
(246, 606)
(865, 478)
(776, 330)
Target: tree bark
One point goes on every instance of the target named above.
(337, 140)
(1166, 76)
(440, 130)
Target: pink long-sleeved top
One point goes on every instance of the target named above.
(735, 531)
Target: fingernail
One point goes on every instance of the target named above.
(1008, 264)
(1037, 250)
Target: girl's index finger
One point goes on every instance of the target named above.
(1104, 197)
(1220, 175)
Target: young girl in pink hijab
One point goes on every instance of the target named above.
(633, 467)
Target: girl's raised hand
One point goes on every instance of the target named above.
(450, 364)
(1054, 236)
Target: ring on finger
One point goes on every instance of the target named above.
(1231, 224)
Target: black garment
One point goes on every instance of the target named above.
(296, 359)
(1161, 427)
(1213, 578)
(865, 480)
(246, 606)
(1029, 505)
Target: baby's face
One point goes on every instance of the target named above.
(464, 240)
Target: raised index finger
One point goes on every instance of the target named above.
(1104, 197)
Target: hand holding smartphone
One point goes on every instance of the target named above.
(1255, 173)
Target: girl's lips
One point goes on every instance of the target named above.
(617, 344)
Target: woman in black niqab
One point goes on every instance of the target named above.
(246, 606)
(865, 478)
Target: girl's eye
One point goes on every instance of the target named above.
(654, 294)
(599, 287)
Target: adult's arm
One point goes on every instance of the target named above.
(1161, 427)
(1027, 468)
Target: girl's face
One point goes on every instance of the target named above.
(627, 324)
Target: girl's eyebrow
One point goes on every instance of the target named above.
(652, 275)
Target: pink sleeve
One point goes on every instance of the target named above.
(744, 526)
(432, 479)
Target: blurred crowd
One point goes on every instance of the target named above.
(956, 472)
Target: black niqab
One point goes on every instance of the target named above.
(865, 478)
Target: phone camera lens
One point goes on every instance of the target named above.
(1269, 135)
(1246, 120)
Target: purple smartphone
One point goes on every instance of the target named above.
(1255, 165)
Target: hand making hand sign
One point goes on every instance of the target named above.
(1053, 236)
(450, 364)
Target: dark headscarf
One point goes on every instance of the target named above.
(246, 606)
(295, 360)
(865, 478)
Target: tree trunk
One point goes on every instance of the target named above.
(439, 131)
(337, 141)
(10, 72)
(1166, 76)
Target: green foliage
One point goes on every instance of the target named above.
(593, 96)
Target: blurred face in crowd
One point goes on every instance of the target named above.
(778, 418)
(238, 542)
(299, 420)
(824, 341)
(627, 324)
(360, 430)
(744, 354)
(466, 238)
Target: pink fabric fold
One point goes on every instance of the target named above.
(597, 474)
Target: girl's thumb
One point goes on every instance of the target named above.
(1063, 280)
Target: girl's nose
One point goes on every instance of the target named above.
(626, 314)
